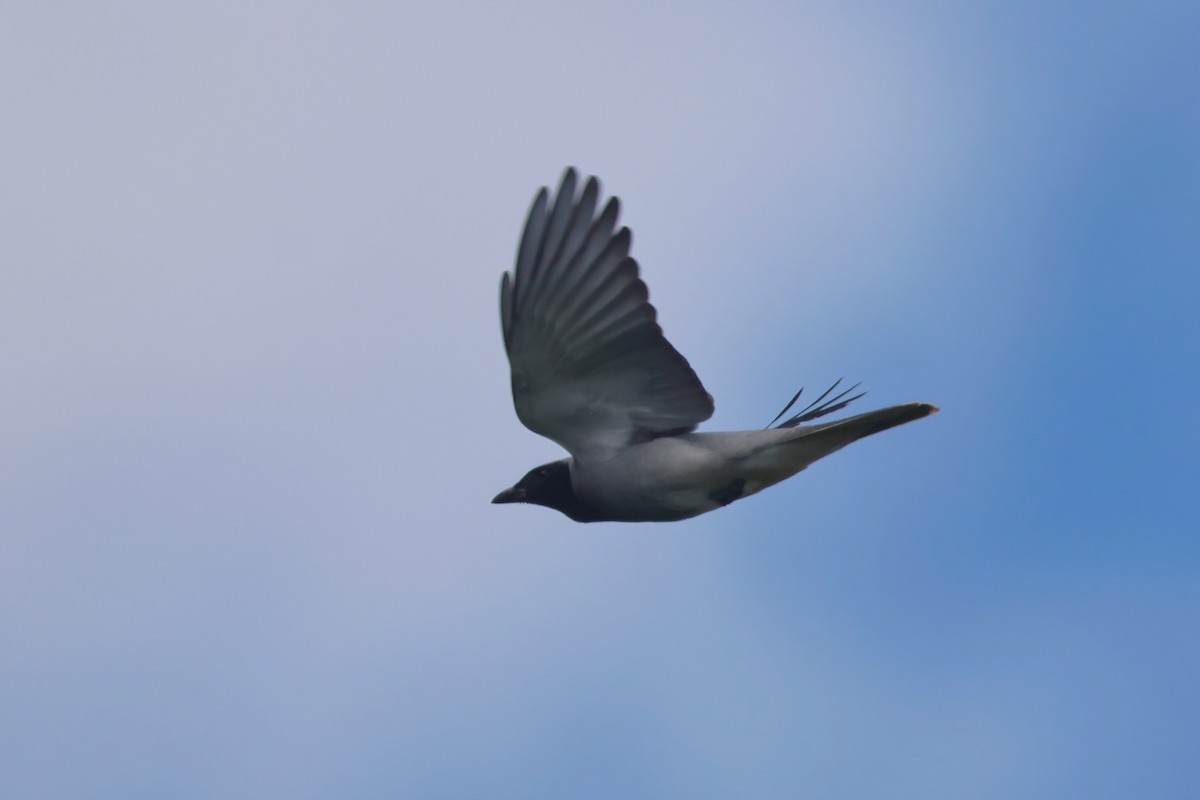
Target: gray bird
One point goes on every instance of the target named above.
(592, 370)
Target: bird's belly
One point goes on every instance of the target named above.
(665, 479)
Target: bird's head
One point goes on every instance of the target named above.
(548, 485)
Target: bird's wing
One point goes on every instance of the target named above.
(590, 366)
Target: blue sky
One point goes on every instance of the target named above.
(256, 402)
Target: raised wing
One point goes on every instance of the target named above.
(590, 366)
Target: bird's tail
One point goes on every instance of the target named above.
(844, 431)
(783, 457)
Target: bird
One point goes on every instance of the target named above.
(592, 371)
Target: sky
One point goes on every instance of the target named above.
(256, 402)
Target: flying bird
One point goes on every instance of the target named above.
(592, 370)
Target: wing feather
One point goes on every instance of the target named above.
(591, 368)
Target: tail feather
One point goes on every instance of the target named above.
(817, 408)
(780, 459)
(854, 428)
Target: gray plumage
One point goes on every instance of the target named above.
(592, 370)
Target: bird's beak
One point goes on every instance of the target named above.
(513, 495)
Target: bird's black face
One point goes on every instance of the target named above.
(541, 485)
(548, 485)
